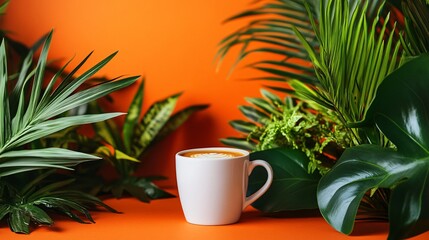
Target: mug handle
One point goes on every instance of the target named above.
(252, 164)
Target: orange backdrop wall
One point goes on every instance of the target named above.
(172, 43)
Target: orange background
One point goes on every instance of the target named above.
(171, 43)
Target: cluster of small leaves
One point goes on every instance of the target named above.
(289, 123)
(321, 140)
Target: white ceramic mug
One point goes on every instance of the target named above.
(212, 187)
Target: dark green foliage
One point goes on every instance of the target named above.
(293, 188)
(124, 151)
(416, 13)
(27, 199)
(401, 112)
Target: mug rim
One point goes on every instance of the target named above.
(244, 152)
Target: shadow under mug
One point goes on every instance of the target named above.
(212, 189)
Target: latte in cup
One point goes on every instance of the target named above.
(212, 154)
(212, 184)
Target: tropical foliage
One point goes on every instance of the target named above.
(400, 111)
(345, 57)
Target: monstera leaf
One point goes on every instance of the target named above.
(293, 188)
(401, 111)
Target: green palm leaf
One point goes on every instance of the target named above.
(416, 27)
(43, 129)
(4, 114)
(273, 28)
(29, 111)
(13, 162)
(351, 65)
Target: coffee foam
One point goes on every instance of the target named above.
(212, 155)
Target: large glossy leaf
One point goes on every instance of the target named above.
(401, 111)
(293, 188)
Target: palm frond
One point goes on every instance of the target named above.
(5, 129)
(352, 61)
(13, 162)
(270, 32)
(31, 112)
(3, 7)
(270, 35)
(416, 27)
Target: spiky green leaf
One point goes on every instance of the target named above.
(242, 143)
(132, 117)
(152, 122)
(43, 129)
(243, 126)
(177, 119)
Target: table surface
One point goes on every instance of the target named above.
(163, 219)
